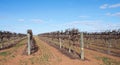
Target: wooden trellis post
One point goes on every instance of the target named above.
(109, 46)
(69, 45)
(82, 46)
(1, 45)
(1, 41)
(60, 42)
(29, 44)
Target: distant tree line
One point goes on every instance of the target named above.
(71, 34)
(114, 34)
(7, 35)
(74, 33)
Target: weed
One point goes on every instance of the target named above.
(5, 53)
(13, 56)
(108, 61)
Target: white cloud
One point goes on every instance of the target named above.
(90, 25)
(104, 6)
(84, 23)
(21, 20)
(36, 20)
(83, 16)
(5, 25)
(114, 5)
(32, 20)
(114, 14)
(26, 25)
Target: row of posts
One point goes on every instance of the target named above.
(81, 45)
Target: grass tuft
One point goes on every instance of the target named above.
(5, 53)
(108, 61)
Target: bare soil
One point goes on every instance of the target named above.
(47, 55)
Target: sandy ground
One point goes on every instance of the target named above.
(48, 55)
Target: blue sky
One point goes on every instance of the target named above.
(51, 15)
